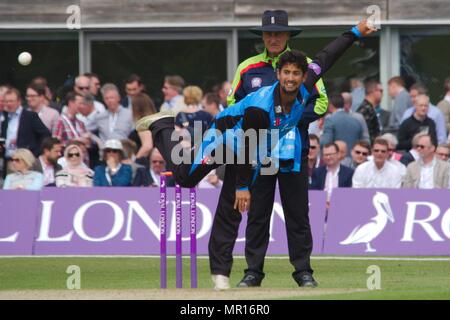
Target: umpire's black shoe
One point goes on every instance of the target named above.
(305, 279)
(250, 280)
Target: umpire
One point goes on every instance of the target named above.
(252, 74)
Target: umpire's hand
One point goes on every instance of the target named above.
(242, 202)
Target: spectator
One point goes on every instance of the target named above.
(114, 173)
(116, 122)
(158, 165)
(37, 102)
(402, 101)
(314, 159)
(342, 153)
(87, 113)
(22, 177)
(3, 116)
(192, 113)
(211, 103)
(443, 152)
(394, 157)
(444, 104)
(433, 112)
(140, 175)
(418, 122)
(49, 101)
(374, 93)
(47, 162)
(340, 125)
(94, 89)
(332, 174)
(83, 86)
(85, 158)
(21, 128)
(133, 86)
(75, 173)
(378, 172)
(358, 116)
(360, 153)
(412, 155)
(357, 92)
(142, 105)
(428, 172)
(68, 127)
(172, 88)
(222, 91)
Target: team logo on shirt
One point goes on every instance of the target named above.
(256, 82)
(315, 67)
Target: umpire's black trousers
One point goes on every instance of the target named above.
(294, 197)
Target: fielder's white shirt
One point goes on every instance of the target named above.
(367, 175)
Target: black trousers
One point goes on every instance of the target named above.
(294, 200)
(294, 197)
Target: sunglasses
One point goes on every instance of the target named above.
(83, 88)
(111, 151)
(71, 155)
(157, 161)
(365, 154)
(313, 147)
(15, 160)
(379, 151)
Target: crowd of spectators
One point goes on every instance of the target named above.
(406, 148)
(89, 138)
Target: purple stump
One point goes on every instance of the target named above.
(178, 234)
(193, 233)
(162, 232)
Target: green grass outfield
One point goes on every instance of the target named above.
(400, 279)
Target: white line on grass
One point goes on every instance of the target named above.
(241, 257)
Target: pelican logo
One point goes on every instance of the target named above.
(368, 232)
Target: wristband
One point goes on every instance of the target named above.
(356, 32)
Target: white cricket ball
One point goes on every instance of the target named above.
(24, 58)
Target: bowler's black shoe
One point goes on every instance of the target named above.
(250, 280)
(305, 279)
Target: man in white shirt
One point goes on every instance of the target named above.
(428, 172)
(157, 165)
(378, 172)
(83, 87)
(116, 122)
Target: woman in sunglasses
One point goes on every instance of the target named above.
(22, 177)
(114, 173)
(75, 173)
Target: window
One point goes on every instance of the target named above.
(57, 61)
(425, 58)
(199, 62)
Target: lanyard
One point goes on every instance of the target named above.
(108, 176)
(112, 122)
